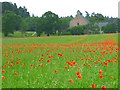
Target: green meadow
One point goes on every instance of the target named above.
(84, 61)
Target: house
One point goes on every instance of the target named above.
(78, 20)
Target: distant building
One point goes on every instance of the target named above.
(78, 20)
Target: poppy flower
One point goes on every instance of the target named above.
(59, 54)
(70, 80)
(103, 87)
(84, 64)
(41, 58)
(93, 85)
(89, 65)
(17, 62)
(65, 67)
(15, 73)
(48, 60)
(31, 65)
(79, 76)
(11, 64)
(42, 54)
(78, 68)
(77, 73)
(3, 77)
(22, 64)
(39, 65)
(3, 71)
(55, 71)
(101, 76)
(100, 71)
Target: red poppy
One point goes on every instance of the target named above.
(42, 54)
(3, 77)
(7, 61)
(41, 58)
(48, 60)
(70, 80)
(89, 65)
(77, 73)
(111, 77)
(3, 71)
(100, 71)
(17, 62)
(93, 85)
(39, 65)
(15, 73)
(65, 67)
(31, 65)
(79, 76)
(103, 87)
(50, 56)
(101, 76)
(78, 68)
(11, 64)
(84, 64)
(55, 71)
(59, 54)
(22, 64)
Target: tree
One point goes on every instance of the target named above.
(49, 22)
(64, 24)
(40, 27)
(8, 6)
(110, 28)
(24, 26)
(9, 20)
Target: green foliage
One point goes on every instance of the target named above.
(49, 22)
(77, 30)
(8, 6)
(64, 23)
(110, 28)
(9, 22)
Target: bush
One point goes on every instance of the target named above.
(77, 30)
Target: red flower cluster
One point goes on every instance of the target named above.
(71, 63)
(59, 54)
(78, 74)
(100, 73)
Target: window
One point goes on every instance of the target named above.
(77, 24)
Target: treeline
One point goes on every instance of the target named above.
(18, 19)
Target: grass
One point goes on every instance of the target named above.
(25, 62)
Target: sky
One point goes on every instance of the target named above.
(69, 7)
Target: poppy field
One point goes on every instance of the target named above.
(87, 61)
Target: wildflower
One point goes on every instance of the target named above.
(48, 60)
(100, 71)
(79, 76)
(3, 77)
(101, 76)
(17, 62)
(15, 73)
(70, 80)
(103, 87)
(55, 71)
(65, 67)
(11, 64)
(93, 85)
(3, 71)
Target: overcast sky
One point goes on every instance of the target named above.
(69, 7)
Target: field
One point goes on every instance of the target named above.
(88, 61)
